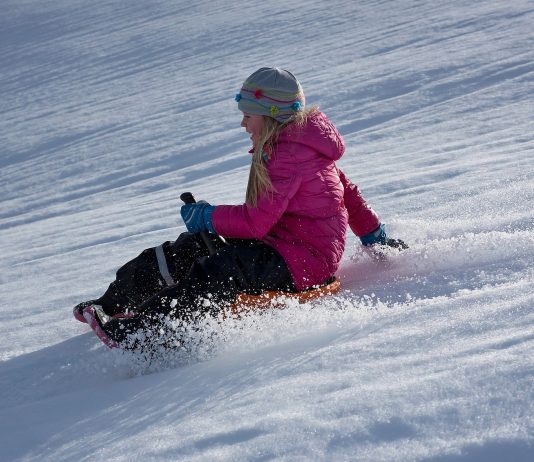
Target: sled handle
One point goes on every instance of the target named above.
(188, 198)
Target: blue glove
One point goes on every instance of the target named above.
(197, 216)
(378, 236)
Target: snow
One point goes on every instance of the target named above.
(109, 110)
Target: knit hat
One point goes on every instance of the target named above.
(272, 92)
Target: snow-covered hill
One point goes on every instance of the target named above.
(109, 110)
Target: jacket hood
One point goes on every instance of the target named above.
(318, 133)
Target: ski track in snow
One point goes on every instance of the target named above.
(109, 110)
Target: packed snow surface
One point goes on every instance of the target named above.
(110, 109)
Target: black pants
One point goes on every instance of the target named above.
(180, 280)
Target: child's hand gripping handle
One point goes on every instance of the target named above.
(188, 198)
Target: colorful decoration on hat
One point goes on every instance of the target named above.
(271, 92)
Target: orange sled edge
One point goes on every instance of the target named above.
(248, 302)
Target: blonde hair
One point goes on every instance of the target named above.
(259, 181)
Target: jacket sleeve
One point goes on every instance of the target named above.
(246, 222)
(362, 218)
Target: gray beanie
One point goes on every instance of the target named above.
(272, 92)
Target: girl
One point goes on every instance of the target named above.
(289, 235)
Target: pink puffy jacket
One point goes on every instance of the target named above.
(305, 217)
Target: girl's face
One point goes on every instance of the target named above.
(253, 124)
